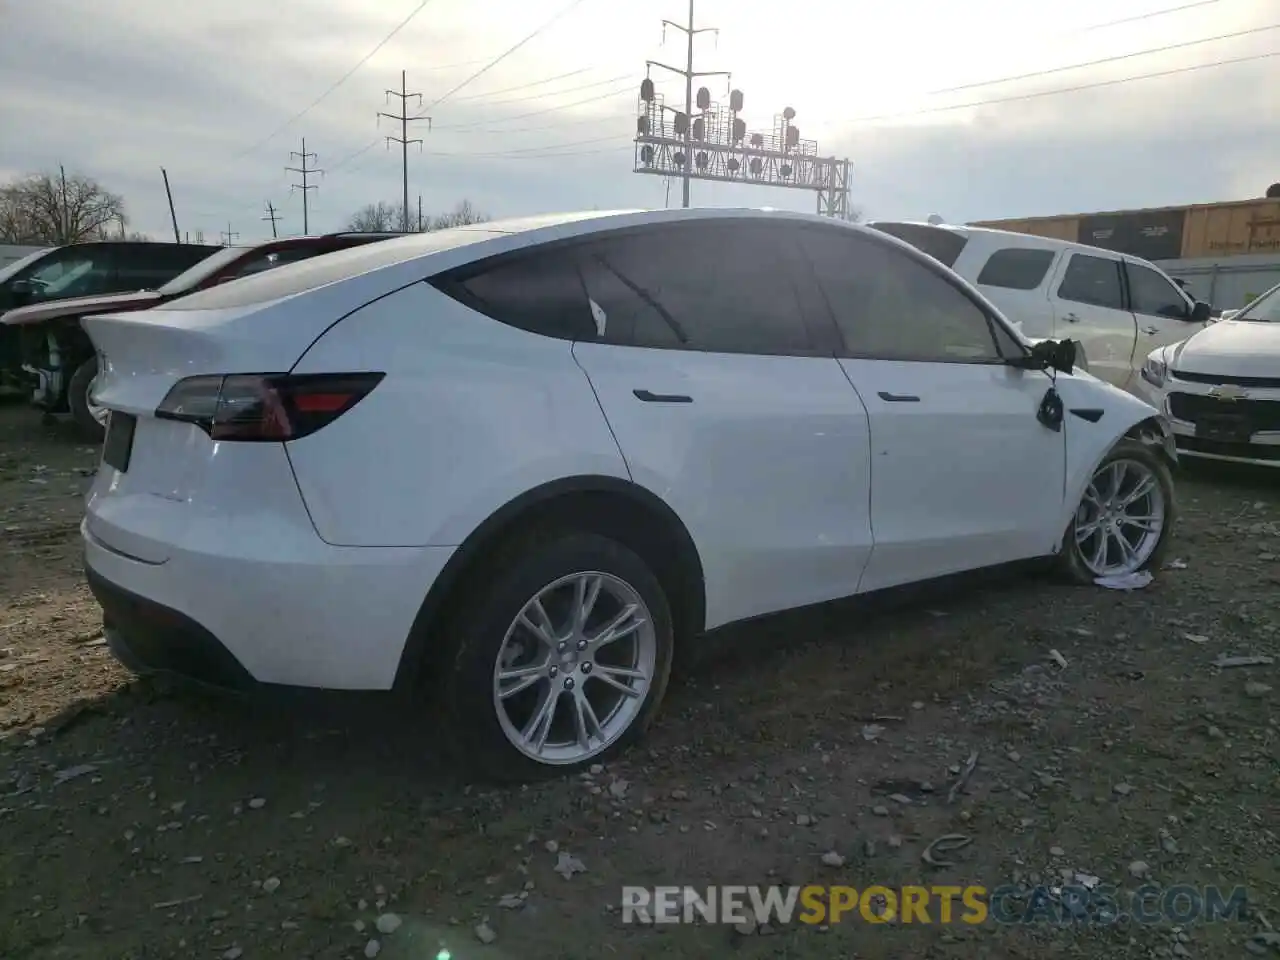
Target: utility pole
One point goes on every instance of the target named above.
(688, 73)
(65, 219)
(305, 172)
(271, 215)
(229, 235)
(419, 213)
(172, 216)
(403, 116)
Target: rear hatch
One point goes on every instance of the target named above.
(156, 470)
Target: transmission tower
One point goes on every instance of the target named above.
(306, 172)
(273, 217)
(404, 97)
(709, 141)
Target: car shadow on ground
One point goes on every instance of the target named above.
(356, 737)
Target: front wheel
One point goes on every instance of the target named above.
(561, 661)
(1125, 518)
(89, 417)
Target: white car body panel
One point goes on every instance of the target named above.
(965, 476)
(484, 411)
(309, 560)
(767, 467)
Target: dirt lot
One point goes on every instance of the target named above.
(142, 822)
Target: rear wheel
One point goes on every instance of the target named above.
(559, 662)
(1125, 518)
(89, 417)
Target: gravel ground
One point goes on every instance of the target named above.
(138, 821)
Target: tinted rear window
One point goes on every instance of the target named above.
(1016, 268)
(295, 278)
(938, 242)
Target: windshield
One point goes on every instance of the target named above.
(65, 277)
(10, 269)
(1266, 309)
(192, 277)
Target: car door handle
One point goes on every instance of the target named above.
(1151, 330)
(650, 397)
(897, 397)
(1071, 318)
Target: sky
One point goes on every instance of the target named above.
(212, 92)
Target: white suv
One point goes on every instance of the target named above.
(510, 469)
(1117, 307)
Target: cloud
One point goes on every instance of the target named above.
(118, 91)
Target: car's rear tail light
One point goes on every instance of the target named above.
(265, 407)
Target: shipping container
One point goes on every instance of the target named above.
(1209, 230)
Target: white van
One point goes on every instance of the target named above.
(1117, 307)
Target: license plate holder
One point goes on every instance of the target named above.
(1227, 428)
(118, 446)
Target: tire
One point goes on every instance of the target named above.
(482, 728)
(1072, 561)
(78, 400)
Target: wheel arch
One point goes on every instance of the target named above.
(614, 507)
(1146, 427)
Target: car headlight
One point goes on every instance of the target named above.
(1156, 370)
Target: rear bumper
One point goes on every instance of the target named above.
(239, 612)
(148, 637)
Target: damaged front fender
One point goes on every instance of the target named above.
(1156, 432)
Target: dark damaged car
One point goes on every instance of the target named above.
(57, 359)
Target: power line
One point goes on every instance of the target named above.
(1115, 59)
(555, 93)
(1148, 16)
(565, 11)
(1062, 90)
(337, 83)
(538, 113)
(525, 86)
(545, 126)
(403, 116)
(306, 172)
(475, 76)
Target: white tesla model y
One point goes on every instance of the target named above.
(510, 468)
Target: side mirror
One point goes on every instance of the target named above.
(1201, 312)
(1057, 355)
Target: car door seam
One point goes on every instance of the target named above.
(573, 352)
(871, 473)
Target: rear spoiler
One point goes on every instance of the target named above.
(77, 307)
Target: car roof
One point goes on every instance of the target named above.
(404, 259)
(993, 235)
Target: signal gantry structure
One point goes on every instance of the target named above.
(710, 141)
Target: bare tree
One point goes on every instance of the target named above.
(375, 218)
(58, 208)
(388, 218)
(461, 215)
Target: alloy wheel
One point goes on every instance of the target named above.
(575, 668)
(1121, 518)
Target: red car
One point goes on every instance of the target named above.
(59, 362)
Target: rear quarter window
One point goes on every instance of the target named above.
(941, 244)
(294, 278)
(1016, 268)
